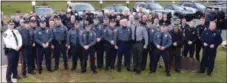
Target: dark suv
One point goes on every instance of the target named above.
(200, 9)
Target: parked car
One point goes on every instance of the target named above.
(180, 11)
(79, 7)
(149, 7)
(44, 11)
(116, 8)
(200, 8)
(219, 7)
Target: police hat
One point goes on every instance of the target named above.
(10, 22)
(112, 20)
(42, 20)
(163, 24)
(136, 17)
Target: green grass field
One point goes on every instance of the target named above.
(219, 75)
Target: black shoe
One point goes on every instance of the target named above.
(167, 74)
(209, 74)
(17, 77)
(106, 69)
(40, 72)
(24, 76)
(177, 70)
(137, 72)
(201, 71)
(128, 69)
(134, 70)
(95, 72)
(50, 70)
(55, 69)
(150, 72)
(119, 70)
(10, 81)
(66, 68)
(83, 71)
(32, 73)
(73, 69)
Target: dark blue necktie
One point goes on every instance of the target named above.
(161, 42)
(87, 38)
(77, 34)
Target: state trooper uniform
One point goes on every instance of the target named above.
(151, 30)
(34, 50)
(162, 39)
(139, 33)
(110, 43)
(200, 28)
(88, 38)
(99, 46)
(123, 38)
(209, 54)
(190, 34)
(73, 41)
(43, 38)
(59, 41)
(12, 40)
(26, 50)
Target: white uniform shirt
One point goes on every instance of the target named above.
(10, 41)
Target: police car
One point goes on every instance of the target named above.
(80, 7)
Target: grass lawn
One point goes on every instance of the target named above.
(219, 75)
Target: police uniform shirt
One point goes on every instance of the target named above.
(10, 40)
(73, 36)
(162, 39)
(26, 36)
(211, 37)
(151, 32)
(110, 34)
(60, 33)
(139, 33)
(98, 28)
(88, 38)
(43, 35)
(123, 34)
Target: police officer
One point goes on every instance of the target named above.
(32, 29)
(99, 46)
(184, 25)
(59, 43)
(123, 38)
(26, 49)
(200, 28)
(13, 42)
(210, 39)
(175, 49)
(43, 37)
(73, 44)
(111, 52)
(190, 36)
(139, 33)
(162, 40)
(150, 48)
(87, 41)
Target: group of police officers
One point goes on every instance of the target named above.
(132, 36)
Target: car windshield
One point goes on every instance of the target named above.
(123, 8)
(156, 6)
(81, 7)
(43, 11)
(200, 5)
(176, 7)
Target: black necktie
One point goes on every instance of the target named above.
(135, 33)
(77, 34)
(161, 42)
(87, 38)
(14, 35)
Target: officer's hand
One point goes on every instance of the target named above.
(212, 46)
(116, 47)
(86, 47)
(44, 46)
(205, 44)
(98, 39)
(112, 42)
(33, 45)
(68, 47)
(17, 48)
(175, 43)
(145, 47)
(52, 46)
(158, 46)
(162, 48)
(189, 42)
(47, 44)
